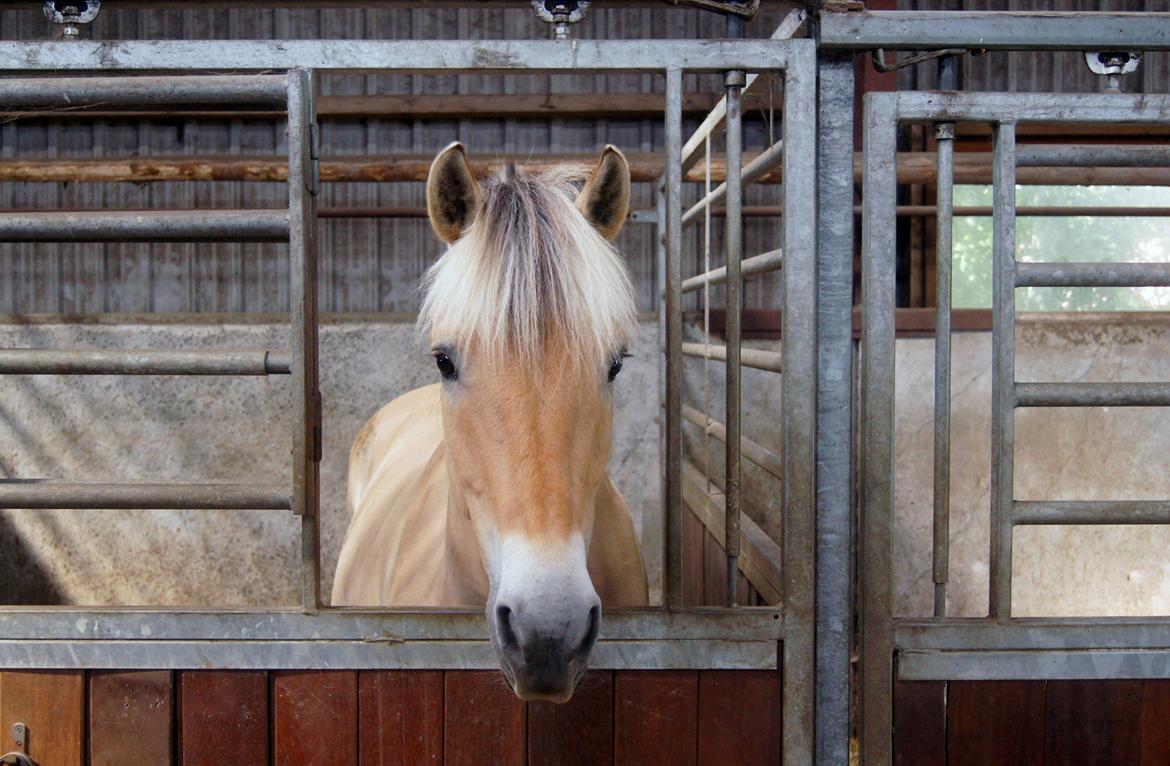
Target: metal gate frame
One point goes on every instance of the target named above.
(311, 636)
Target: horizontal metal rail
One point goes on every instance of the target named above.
(1092, 274)
(757, 453)
(1035, 633)
(146, 226)
(69, 93)
(1092, 394)
(370, 56)
(1029, 665)
(28, 361)
(1041, 512)
(35, 493)
(1088, 156)
(995, 30)
(1038, 107)
(749, 267)
(762, 164)
(749, 357)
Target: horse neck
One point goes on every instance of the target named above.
(466, 576)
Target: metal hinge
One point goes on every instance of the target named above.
(314, 158)
(70, 13)
(18, 757)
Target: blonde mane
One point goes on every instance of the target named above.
(531, 268)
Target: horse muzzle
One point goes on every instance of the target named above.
(544, 656)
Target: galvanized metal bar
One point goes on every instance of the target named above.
(1039, 512)
(154, 654)
(710, 123)
(654, 535)
(38, 493)
(1025, 665)
(834, 437)
(995, 30)
(753, 451)
(353, 624)
(748, 357)
(1092, 155)
(798, 389)
(940, 558)
(146, 226)
(761, 165)
(1092, 274)
(879, 195)
(306, 395)
(1092, 395)
(73, 93)
(674, 360)
(82, 361)
(1034, 633)
(1003, 344)
(773, 260)
(957, 106)
(733, 297)
(421, 56)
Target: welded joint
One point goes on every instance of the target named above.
(736, 78)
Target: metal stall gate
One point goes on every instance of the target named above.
(1000, 646)
(311, 635)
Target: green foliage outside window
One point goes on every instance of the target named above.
(1064, 238)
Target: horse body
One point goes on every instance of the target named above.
(410, 541)
(491, 488)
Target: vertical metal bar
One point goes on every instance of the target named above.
(733, 247)
(799, 399)
(834, 403)
(878, 259)
(945, 134)
(674, 359)
(654, 534)
(1003, 342)
(306, 442)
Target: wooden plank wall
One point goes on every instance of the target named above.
(1019, 723)
(341, 717)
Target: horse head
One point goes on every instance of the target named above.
(528, 314)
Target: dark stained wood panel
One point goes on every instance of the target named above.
(920, 723)
(1091, 723)
(131, 718)
(52, 705)
(484, 722)
(314, 717)
(739, 716)
(656, 717)
(400, 717)
(1155, 722)
(223, 717)
(578, 732)
(995, 722)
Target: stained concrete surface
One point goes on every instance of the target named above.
(102, 428)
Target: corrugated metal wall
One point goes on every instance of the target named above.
(366, 265)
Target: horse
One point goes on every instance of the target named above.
(489, 488)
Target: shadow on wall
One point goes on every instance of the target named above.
(23, 581)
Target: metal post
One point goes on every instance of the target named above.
(733, 230)
(878, 257)
(834, 392)
(654, 537)
(306, 446)
(799, 402)
(1004, 366)
(674, 360)
(945, 133)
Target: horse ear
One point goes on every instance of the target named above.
(605, 199)
(453, 195)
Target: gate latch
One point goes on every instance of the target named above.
(18, 757)
(1112, 64)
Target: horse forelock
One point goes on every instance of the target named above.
(530, 271)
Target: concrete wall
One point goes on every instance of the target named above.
(190, 429)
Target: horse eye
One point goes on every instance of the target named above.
(615, 368)
(446, 367)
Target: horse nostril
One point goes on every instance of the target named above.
(508, 639)
(591, 634)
